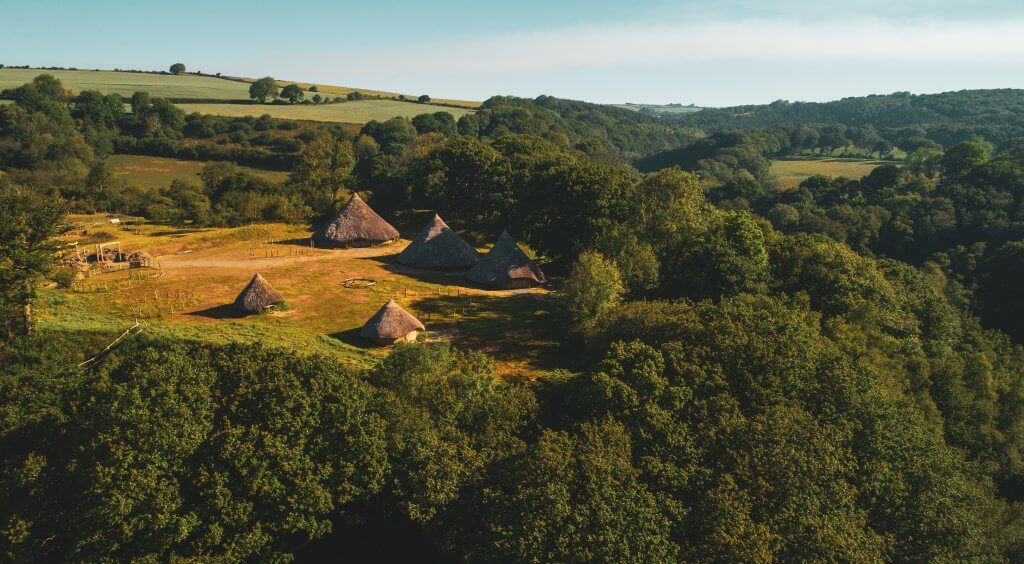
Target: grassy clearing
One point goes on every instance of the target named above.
(159, 172)
(201, 271)
(127, 83)
(791, 172)
(360, 111)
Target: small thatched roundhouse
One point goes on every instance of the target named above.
(140, 259)
(505, 267)
(390, 324)
(356, 225)
(438, 247)
(258, 296)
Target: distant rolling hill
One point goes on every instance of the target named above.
(659, 109)
(949, 117)
(127, 83)
(213, 95)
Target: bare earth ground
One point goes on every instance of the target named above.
(198, 273)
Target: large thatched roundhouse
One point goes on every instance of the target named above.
(356, 225)
(505, 267)
(390, 324)
(438, 247)
(258, 296)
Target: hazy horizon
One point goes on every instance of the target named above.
(653, 51)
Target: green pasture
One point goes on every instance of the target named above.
(791, 172)
(159, 172)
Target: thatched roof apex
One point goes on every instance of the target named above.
(355, 224)
(504, 263)
(258, 295)
(390, 322)
(438, 247)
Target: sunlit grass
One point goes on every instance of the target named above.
(791, 172)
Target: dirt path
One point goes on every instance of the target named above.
(177, 262)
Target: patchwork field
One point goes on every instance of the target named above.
(198, 273)
(159, 172)
(360, 111)
(791, 172)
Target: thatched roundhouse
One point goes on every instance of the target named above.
(258, 296)
(140, 259)
(505, 267)
(438, 247)
(390, 324)
(356, 225)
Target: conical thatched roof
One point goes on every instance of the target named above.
(438, 247)
(258, 295)
(506, 265)
(391, 322)
(355, 224)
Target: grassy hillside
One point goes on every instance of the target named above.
(127, 83)
(174, 86)
(159, 172)
(360, 111)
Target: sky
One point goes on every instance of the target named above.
(708, 53)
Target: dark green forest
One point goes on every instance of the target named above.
(947, 118)
(830, 373)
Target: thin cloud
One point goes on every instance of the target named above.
(592, 47)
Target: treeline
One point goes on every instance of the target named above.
(55, 143)
(56, 140)
(957, 215)
(750, 149)
(947, 118)
(593, 128)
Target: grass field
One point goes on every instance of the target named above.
(791, 172)
(127, 83)
(201, 271)
(159, 172)
(360, 111)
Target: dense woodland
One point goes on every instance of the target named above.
(828, 373)
(947, 118)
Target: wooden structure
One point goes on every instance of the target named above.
(100, 257)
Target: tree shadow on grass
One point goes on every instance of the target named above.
(352, 338)
(439, 277)
(300, 242)
(512, 328)
(223, 311)
(172, 232)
